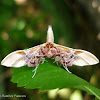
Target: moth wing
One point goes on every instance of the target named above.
(63, 48)
(85, 58)
(16, 58)
(35, 48)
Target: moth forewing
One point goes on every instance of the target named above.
(35, 48)
(84, 58)
(14, 59)
(63, 48)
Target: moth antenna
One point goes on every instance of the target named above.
(50, 37)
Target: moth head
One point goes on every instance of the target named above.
(49, 45)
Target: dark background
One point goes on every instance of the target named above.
(24, 23)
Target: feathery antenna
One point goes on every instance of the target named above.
(50, 37)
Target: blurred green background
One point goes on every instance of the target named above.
(24, 23)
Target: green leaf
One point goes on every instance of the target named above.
(49, 77)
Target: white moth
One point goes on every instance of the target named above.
(35, 55)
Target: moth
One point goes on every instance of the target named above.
(36, 55)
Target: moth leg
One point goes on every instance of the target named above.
(43, 60)
(67, 69)
(56, 63)
(35, 71)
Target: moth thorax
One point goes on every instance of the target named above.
(49, 52)
(57, 58)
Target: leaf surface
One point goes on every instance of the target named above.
(49, 77)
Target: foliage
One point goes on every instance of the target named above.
(51, 77)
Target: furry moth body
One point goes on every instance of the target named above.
(65, 55)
